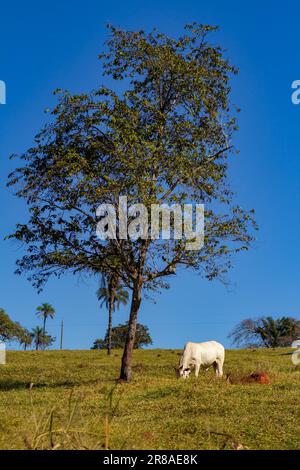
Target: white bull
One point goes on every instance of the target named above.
(196, 355)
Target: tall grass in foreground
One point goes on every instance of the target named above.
(52, 430)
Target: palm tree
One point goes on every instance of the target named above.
(44, 311)
(26, 339)
(266, 332)
(38, 335)
(111, 294)
(41, 339)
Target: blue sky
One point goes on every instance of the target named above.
(55, 44)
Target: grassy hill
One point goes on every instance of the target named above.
(74, 402)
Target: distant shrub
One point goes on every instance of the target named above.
(119, 334)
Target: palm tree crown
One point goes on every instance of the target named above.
(44, 311)
(37, 336)
(121, 296)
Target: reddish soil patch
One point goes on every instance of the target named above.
(259, 377)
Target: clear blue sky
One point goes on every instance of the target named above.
(55, 44)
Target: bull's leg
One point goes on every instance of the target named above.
(219, 368)
(197, 369)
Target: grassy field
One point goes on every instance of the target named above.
(74, 402)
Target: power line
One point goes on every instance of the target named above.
(154, 323)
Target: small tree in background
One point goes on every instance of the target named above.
(48, 341)
(99, 344)
(37, 334)
(26, 339)
(119, 335)
(41, 339)
(266, 332)
(9, 330)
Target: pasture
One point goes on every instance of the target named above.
(74, 402)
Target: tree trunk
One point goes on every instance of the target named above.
(44, 327)
(110, 315)
(127, 354)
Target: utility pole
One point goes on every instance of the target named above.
(61, 334)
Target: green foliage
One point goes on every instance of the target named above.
(267, 332)
(119, 334)
(99, 344)
(26, 339)
(9, 330)
(45, 310)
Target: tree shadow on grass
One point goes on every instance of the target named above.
(7, 385)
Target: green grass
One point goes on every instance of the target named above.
(74, 402)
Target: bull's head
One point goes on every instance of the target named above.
(182, 372)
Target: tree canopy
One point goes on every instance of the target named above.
(166, 139)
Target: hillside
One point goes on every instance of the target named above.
(74, 402)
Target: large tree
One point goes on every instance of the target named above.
(164, 138)
(266, 332)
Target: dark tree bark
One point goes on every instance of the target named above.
(128, 349)
(44, 326)
(110, 315)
